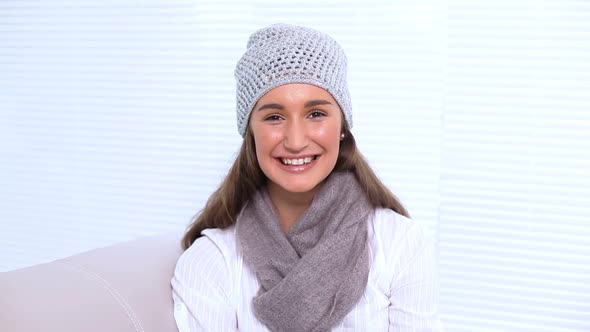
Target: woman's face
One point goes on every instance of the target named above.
(296, 129)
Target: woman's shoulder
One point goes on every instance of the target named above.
(216, 247)
(389, 221)
(223, 240)
(393, 231)
(396, 243)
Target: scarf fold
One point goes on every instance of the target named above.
(311, 278)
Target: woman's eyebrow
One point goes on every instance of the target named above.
(317, 102)
(273, 106)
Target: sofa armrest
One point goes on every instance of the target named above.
(124, 287)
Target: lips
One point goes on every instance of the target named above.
(297, 161)
(297, 165)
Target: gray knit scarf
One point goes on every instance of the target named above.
(311, 278)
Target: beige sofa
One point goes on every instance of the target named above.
(124, 287)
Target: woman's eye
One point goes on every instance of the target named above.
(317, 114)
(273, 117)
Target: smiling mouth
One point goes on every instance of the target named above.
(297, 161)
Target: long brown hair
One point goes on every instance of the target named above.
(245, 177)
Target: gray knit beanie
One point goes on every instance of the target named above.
(281, 54)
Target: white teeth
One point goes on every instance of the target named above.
(296, 162)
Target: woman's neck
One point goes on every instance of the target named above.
(289, 206)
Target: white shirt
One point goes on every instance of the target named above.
(213, 288)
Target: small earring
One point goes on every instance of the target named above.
(341, 137)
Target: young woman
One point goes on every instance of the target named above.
(301, 235)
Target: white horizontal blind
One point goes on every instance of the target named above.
(515, 217)
(112, 122)
(118, 118)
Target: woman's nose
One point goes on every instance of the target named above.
(295, 139)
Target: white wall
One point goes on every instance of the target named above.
(117, 121)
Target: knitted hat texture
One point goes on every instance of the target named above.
(282, 54)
